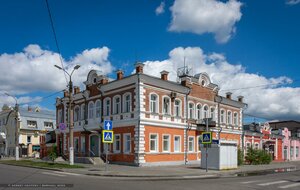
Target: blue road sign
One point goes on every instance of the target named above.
(108, 125)
(107, 136)
(206, 137)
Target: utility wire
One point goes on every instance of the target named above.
(55, 38)
(43, 98)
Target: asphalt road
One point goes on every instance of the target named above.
(13, 177)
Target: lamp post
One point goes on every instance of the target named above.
(17, 126)
(70, 119)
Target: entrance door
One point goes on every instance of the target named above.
(94, 146)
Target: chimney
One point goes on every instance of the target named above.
(66, 93)
(164, 75)
(76, 89)
(139, 67)
(228, 95)
(104, 80)
(120, 74)
(240, 98)
(186, 81)
(29, 109)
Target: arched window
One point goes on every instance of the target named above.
(98, 109)
(153, 103)
(91, 110)
(191, 110)
(212, 113)
(107, 106)
(198, 111)
(229, 117)
(166, 105)
(235, 119)
(76, 113)
(205, 112)
(82, 112)
(177, 108)
(222, 116)
(117, 104)
(127, 103)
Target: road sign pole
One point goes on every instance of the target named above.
(106, 157)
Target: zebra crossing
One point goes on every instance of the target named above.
(279, 184)
(60, 174)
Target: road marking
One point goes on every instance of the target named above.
(290, 185)
(66, 173)
(247, 182)
(48, 173)
(272, 183)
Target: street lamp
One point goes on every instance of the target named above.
(71, 126)
(17, 125)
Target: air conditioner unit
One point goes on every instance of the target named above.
(173, 94)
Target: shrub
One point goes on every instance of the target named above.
(240, 157)
(255, 157)
(52, 154)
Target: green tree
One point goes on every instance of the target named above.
(52, 154)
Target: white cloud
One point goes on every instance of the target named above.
(292, 2)
(206, 16)
(160, 9)
(268, 98)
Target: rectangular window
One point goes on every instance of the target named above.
(297, 151)
(177, 142)
(28, 139)
(292, 152)
(127, 103)
(31, 124)
(153, 143)
(127, 143)
(191, 144)
(199, 143)
(166, 143)
(48, 124)
(177, 108)
(76, 144)
(117, 143)
(82, 145)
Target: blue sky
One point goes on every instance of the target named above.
(262, 47)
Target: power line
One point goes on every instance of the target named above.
(55, 38)
(43, 98)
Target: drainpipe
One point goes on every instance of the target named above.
(139, 119)
(187, 126)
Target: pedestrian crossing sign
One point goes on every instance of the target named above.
(206, 137)
(107, 136)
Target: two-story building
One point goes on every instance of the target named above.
(155, 121)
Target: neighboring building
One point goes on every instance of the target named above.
(155, 121)
(291, 142)
(262, 136)
(32, 123)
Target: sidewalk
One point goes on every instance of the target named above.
(178, 172)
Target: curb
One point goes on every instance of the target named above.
(37, 167)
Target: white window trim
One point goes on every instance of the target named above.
(115, 104)
(124, 102)
(193, 114)
(76, 116)
(193, 150)
(157, 103)
(237, 119)
(115, 142)
(208, 113)
(81, 143)
(224, 116)
(180, 107)
(93, 110)
(97, 101)
(169, 143)
(197, 115)
(82, 111)
(157, 143)
(229, 120)
(163, 106)
(179, 144)
(124, 143)
(105, 105)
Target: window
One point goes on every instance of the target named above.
(191, 110)
(248, 146)
(229, 117)
(177, 105)
(127, 143)
(177, 144)
(59, 116)
(117, 143)
(235, 119)
(82, 145)
(28, 139)
(199, 143)
(107, 107)
(127, 103)
(191, 144)
(297, 151)
(48, 124)
(91, 110)
(117, 104)
(198, 111)
(166, 108)
(153, 103)
(212, 113)
(31, 124)
(292, 152)
(256, 146)
(222, 116)
(166, 143)
(98, 109)
(153, 143)
(205, 112)
(76, 144)
(82, 112)
(76, 113)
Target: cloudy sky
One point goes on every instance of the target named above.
(250, 48)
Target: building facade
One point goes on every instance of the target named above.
(32, 124)
(155, 121)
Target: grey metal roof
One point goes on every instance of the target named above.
(40, 114)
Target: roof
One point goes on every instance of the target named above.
(37, 114)
(292, 125)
